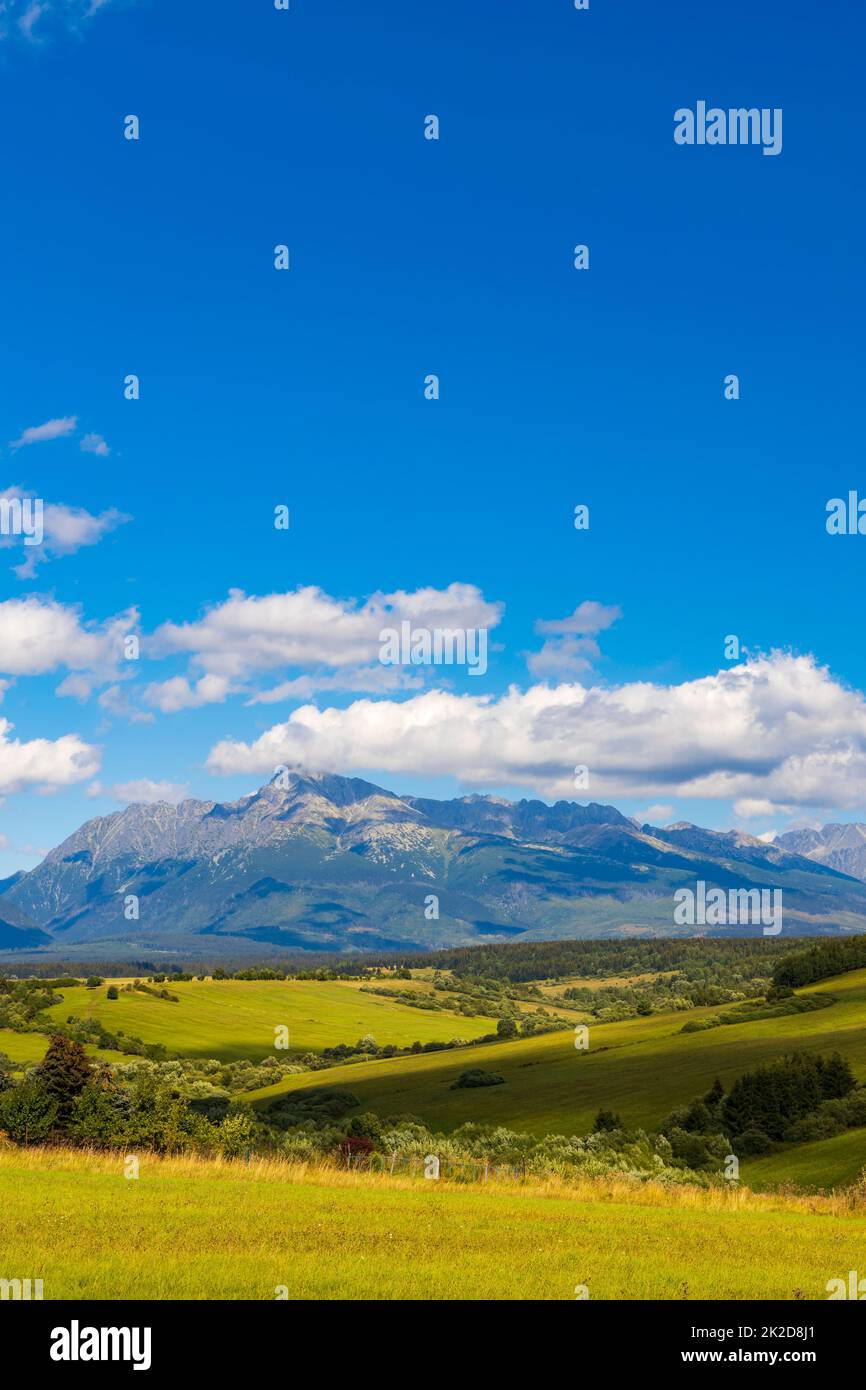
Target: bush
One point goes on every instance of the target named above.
(606, 1120)
(476, 1076)
(100, 1111)
(355, 1145)
(236, 1134)
(28, 1113)
(688, 1149)
(754, 1141)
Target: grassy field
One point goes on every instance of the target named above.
(200, 1229)
(234, 1019)
(641, 1068)
(24, 1049)
(817, 1167)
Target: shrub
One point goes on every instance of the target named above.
(355, 1145)
(476, 1076)
(236, 1134)
(606, 1120)
(754, 1141)
(28, 1112)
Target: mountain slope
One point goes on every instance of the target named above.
(841, 847)
(18, 932)
(331, 863)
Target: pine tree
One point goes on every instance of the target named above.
(64, 1072)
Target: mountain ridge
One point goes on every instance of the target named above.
(840, 846)
(318, 861)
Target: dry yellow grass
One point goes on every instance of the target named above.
(196, 1228)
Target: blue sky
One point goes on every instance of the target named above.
(305, 388)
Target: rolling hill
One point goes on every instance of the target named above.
(641, 1068)
(237, 1019)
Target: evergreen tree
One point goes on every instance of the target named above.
(64, 1072)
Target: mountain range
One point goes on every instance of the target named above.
(327, 863)
(842, 847)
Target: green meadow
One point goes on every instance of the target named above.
(205, 1228)
(26, 1049)
(817, 1167)
(199, 1229)
(235, 1019)
(641, 1068)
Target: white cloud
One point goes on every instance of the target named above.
(115, 701)
(40, 635)
(31, 19)
(65, 530)
(588, 617)
(142, 790)
(570, 647)
(371, 680)
(28, 19)
(659, 814)
(177, 693)
(333, 643)
(752, 807)
(51, 429)
(44, 764)
(778, 728)
(94, 444)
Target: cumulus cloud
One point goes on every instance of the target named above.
(779, 728)
(44, 764)
(177, 693)
(39, 636)
(333, 643)
(570, 647)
